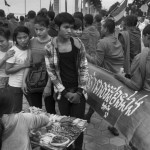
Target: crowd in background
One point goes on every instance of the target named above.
(43, 56)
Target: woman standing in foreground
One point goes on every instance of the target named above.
(37, 45)
(16, 65)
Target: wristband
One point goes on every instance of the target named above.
(80, 90)
(64, 92)
(80, 94)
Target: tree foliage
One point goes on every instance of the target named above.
(96, 3)
(135, 6)
(139, 3)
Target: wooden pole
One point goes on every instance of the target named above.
(25, 7)
(65, 5)
(81, 5)
(40, 4)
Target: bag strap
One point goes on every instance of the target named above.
(143, 60)
(29, 53)
(127, 65)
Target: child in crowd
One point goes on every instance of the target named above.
(77, 28)
(52, 27)
(5, 44)
(16, 65)
(90, 35)
(37, 44)
(80, 16)
(15, 127)
(30, 22)
(97, 22)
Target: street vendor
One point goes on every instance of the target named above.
(68, 69)
(15, 127)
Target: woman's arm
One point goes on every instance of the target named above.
(7, 56)
(2, 61)
(135, 83)
(35, 121)
(83, 69)
(24, 85)
(51, 69)
(11, 69)
(47, 89)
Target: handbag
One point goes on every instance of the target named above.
(37, 78)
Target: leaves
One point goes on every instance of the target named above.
(139, 3)
(135, 6)
(96, 3)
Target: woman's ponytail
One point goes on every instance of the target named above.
(1, 132)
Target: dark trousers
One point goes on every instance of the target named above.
(73, 110)
(35, 99)
(90, 111)
(17, 97)
(3, 91)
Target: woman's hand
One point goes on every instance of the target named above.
(9, 54)
(24, 88)
(27, 63)
(47, 91)
(73, 97)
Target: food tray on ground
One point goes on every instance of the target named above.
(60, 127)
(80, 123)
(65, 129)
(49, 140)
(35, 110)
(57, 118)
(68, 132)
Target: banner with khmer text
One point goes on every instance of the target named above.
(128, 110)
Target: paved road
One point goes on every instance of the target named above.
(97, 137)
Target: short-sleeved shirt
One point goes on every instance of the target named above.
(109, 54)
(19, 58)
(17, 127)
(3, 75)
(90, 37)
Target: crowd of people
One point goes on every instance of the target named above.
(44, 56)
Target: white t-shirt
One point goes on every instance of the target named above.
(19, 58)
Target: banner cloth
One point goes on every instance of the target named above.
(127, 110)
